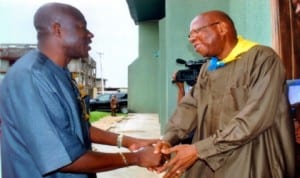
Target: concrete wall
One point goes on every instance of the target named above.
(174, 44)
(252, 19)
(169, 37)
(142, 73)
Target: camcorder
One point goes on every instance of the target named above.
(190, 74)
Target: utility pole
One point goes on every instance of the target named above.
(101, 71)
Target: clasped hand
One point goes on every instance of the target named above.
(182, 157)
(164, 158)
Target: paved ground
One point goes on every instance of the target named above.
(137, 125)
(108, 122)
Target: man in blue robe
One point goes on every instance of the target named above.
(44, 132)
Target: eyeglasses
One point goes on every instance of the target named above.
(197, 30)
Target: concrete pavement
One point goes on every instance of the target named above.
(136, 125)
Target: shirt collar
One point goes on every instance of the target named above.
(242, 46)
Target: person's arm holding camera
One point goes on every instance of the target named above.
(180, 87)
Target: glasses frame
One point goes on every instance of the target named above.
(197, 30)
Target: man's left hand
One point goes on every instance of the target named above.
(184, 156)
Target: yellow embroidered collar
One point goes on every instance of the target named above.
(241, 47)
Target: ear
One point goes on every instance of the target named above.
(223, 28)
(56, 29)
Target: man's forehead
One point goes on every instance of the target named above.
(74, 18)
(198, 21)
(203, 19)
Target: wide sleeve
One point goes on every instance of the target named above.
(264, 93)
(183, 120)
(43, 124)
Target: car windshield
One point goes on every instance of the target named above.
(104, 97)
(122, 96)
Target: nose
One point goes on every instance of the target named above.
(191, 38)
(90, 34)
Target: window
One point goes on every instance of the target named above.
(104, 97)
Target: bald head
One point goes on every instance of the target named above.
(215, 16)
(62, 32)
(213, 33)
(51, 13)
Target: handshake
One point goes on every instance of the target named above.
(159, 156)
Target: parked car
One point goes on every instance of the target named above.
(102, 102)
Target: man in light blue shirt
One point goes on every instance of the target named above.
(44, 132)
